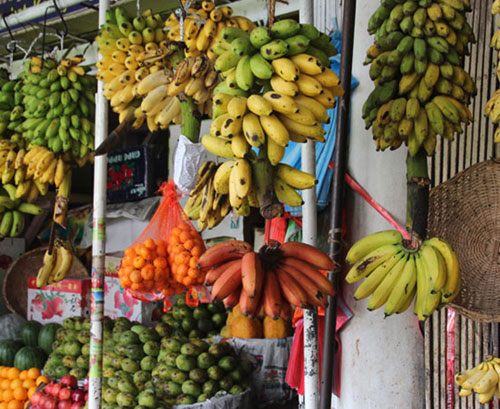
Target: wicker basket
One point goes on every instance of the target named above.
(465, 211)
(15, 283)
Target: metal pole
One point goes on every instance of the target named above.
(34, 12)
(309, 234)
(335, 233)
(98, 241)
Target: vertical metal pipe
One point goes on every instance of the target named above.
(309, 234)
(334, 235)
(98, 242)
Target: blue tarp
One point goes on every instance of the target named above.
(324, 151)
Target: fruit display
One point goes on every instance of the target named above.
(64, 394)
(273, 279)
(144, 268)
(70, 349)
(129, 356)
(482, 380)
(14, 212)
(56, 264)
(59, 106)
(202, 321)
(421, 90)
(492, 108)
(395, 273)
(191, 370)
(262, 326)
(17, 387)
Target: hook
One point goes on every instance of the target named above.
(12, 40)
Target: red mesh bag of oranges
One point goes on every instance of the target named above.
(162, 260)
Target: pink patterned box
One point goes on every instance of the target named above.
(53, 303)
(116, 302)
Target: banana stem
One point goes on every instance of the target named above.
(191, 119)
(417, 200)
(262, 175)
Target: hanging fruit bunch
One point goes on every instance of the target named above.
(421, 89)
(493, 106)
(394, 273)
(56, 264)
(274, 278)
(482, 380)
(59, 107)
(11, 108)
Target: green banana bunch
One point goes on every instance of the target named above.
(11, 108)
(13, 212)
(59, 106)
(421, 90)
(396, 275)
(492, 108)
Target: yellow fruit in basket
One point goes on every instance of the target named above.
(275, 328)
(244, 327)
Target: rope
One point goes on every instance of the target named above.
(138, 7)
(271, 10)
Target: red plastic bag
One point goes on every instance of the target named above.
(146, 271)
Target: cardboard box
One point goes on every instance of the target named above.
(53, 303)
(116, 302)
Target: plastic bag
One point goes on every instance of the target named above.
(10, 326)
(187, 160)
(162, 260)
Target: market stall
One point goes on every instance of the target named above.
(180, 180)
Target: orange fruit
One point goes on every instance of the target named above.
(15, 404)
(31, 391)
(182, 258)
(184, 236)
(139, 262)
(13, 373)
(148, 285)
(23, 375)
(135, 276)
(160, 262)
(161, 251)
(193, 262)
(197, 251)
(189, 244)
(136, 286)
(193, 272)
(187, 281)
(16, 383)
(7, 395)
(150, 244)
(3, 405)
(5, 372)
(148, 272)
(34, 373)
(130, 252)
(20, 394)
(5, 384)
(42, 379)
(182, 269)
(28, 383)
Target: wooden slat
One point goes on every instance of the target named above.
(435, 359)
(442, 362)
(429, 373)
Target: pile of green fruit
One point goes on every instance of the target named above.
(191, 370)
(203, 321)
(129, 356)
(11, 108)
(70, 350)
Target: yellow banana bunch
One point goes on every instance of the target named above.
(203, 28)
(421, 90)
(482, 380)
(493, 106)
(396, 275)
(56, 265)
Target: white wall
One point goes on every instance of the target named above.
(382, 364)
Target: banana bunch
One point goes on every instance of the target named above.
(421, 89)
(13, 212)
(203, 27)
(482, 379)
(11, 108)
(194, 77)
(492, 108)
(56, 264)
(131, 49)
(274, 278)
(59, 106)
(395, 274)
(274, 89)
(205, 204)
(231, 184)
